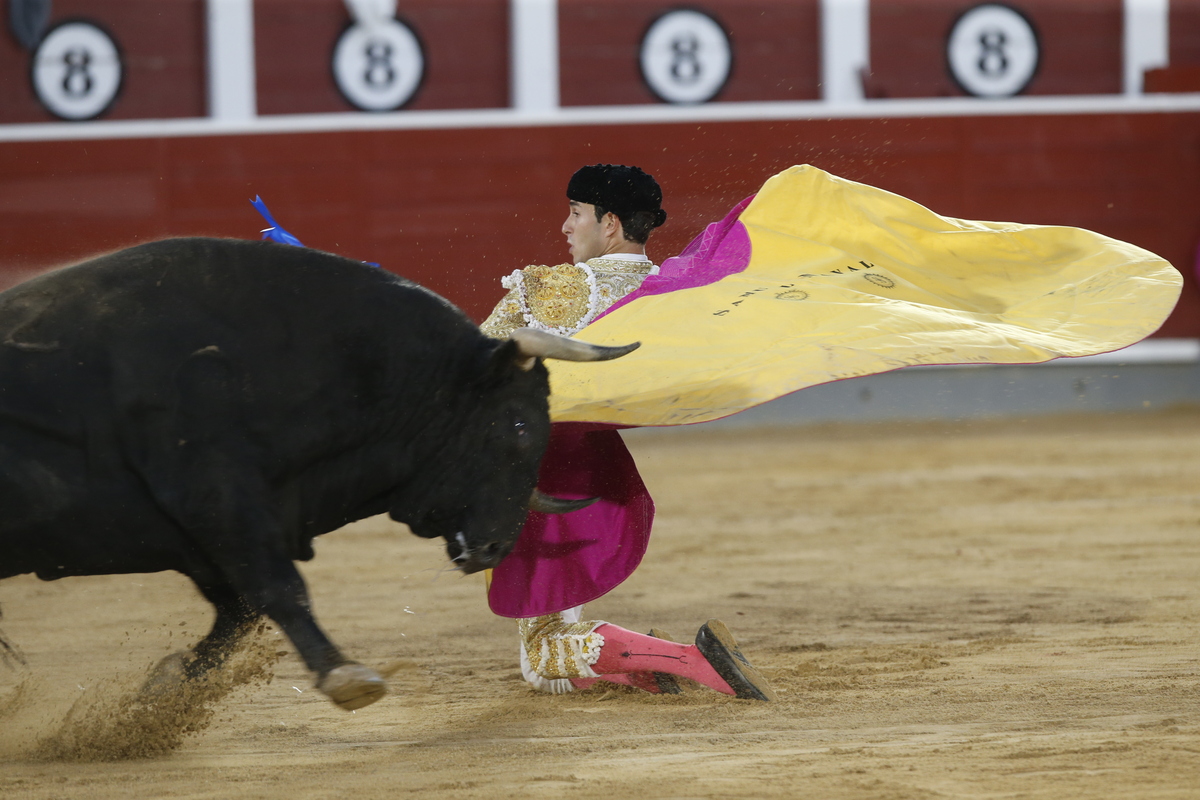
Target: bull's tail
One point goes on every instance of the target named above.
(9, 654)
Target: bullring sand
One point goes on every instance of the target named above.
(986, 610)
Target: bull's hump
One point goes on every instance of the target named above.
(223, 264)
(239, 276)
(199, 291)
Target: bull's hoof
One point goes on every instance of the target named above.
(166, 676)
(352, 686)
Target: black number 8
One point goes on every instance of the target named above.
(77, 81)
(379, 72)
(685, 66)
(992, 59)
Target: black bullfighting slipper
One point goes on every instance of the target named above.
(666, 681)
(718, 646)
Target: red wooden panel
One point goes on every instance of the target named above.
(1172, 78)
(1080, 46)
(457, 209)
(776, 49)
(465, 43)
(1184, 32)
(163, 50)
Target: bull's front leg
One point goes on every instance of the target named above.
(233, 621)
(199, 464)
(274, 589)
(251, 558)
(282, 596)
(253, 575)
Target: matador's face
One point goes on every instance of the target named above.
(586, 236)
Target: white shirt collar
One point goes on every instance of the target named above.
(642, 257)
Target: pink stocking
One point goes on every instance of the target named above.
(625, 652)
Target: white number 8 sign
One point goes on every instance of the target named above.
(992, 51)
(686, 57)
(378, 67)
(76, 71)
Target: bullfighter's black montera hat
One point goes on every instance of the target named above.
(619, 189)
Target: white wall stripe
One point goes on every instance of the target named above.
(1145, 40)
(231, 74)
(534, 25)
(605, 115)
(845, 49)
(1147, 351)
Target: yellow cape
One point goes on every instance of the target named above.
(846, 280)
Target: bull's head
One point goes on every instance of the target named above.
(480, 502)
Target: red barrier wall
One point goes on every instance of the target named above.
(1184, 32)
(456, 209)
(163, 47)
(1080, 47)
(465, 44)
(777, 50)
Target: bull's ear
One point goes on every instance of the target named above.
(535, 344)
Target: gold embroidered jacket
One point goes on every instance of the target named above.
(563, 299)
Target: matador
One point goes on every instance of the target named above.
(613, 209)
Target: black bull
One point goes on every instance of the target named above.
(209, 406)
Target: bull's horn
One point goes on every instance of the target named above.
(548, 504)
(532, 343)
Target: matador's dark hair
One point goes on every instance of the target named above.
(628, 192)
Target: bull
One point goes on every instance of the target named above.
(210, 406)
